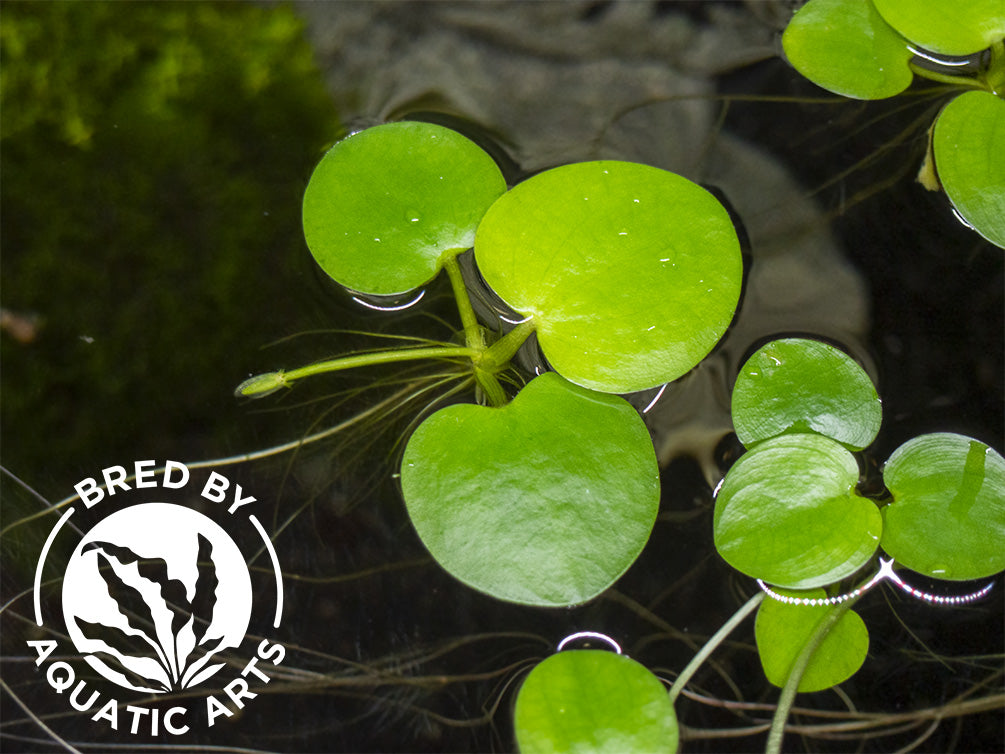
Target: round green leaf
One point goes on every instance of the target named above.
(588, 700)
(846, 47)
(782, 630)
(787, 513)
(545, 501)
(969, 146)
(386, 205)
(947, 518)
(799, 385)
(631, 273)
(952, 27)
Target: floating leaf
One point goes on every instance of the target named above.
(947, 518)
(969, 146)
(799, 385)
(590, 700)
(787, 513)
(545, 501)
(631, 273)
(782, 630)
(847, 48)
(386, 205)
(959, 27)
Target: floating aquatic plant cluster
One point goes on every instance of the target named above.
(873, 49)
(627, 276)
(545, 489)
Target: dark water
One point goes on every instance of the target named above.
(154, 157)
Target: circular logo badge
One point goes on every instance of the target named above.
(153, 593)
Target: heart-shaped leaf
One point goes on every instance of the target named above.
(951, 28)
(947, 518)
(631, 273)
(386, 205)
(589, 700)
(782, 630)
(969, 146)
(800, 385)
(545, 501)
(847, 48)
(787, 513)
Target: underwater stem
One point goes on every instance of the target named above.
(712, 644)
(802, 661)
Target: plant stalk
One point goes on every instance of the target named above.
(962, 81)
(269, 382)
(802, 661)
(499, 353)
(713, 643)
(474, 336)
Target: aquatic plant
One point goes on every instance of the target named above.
(789, 511)
(873, 49)
(626, 274)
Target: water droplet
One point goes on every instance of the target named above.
(412, 216)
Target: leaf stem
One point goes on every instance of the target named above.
(713, 643)
(994, 76)
(486, 361)
(499, 353)
(960, 80)
(474, 336)
(269, 382)
(802, 661)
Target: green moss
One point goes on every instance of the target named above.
(154, 158)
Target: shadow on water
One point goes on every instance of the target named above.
(152, 246)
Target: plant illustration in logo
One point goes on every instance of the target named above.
(153, 593)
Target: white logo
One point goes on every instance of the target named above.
(152, 593)
(157, 598)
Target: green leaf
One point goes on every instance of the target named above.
(782, 630)
(799, 385)
(386, 205)
(545, 501)
(947, 518)
(951, 27)
(588, 700)
(846, 47)
(787, 513)
(631, 273)
(969, 145)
